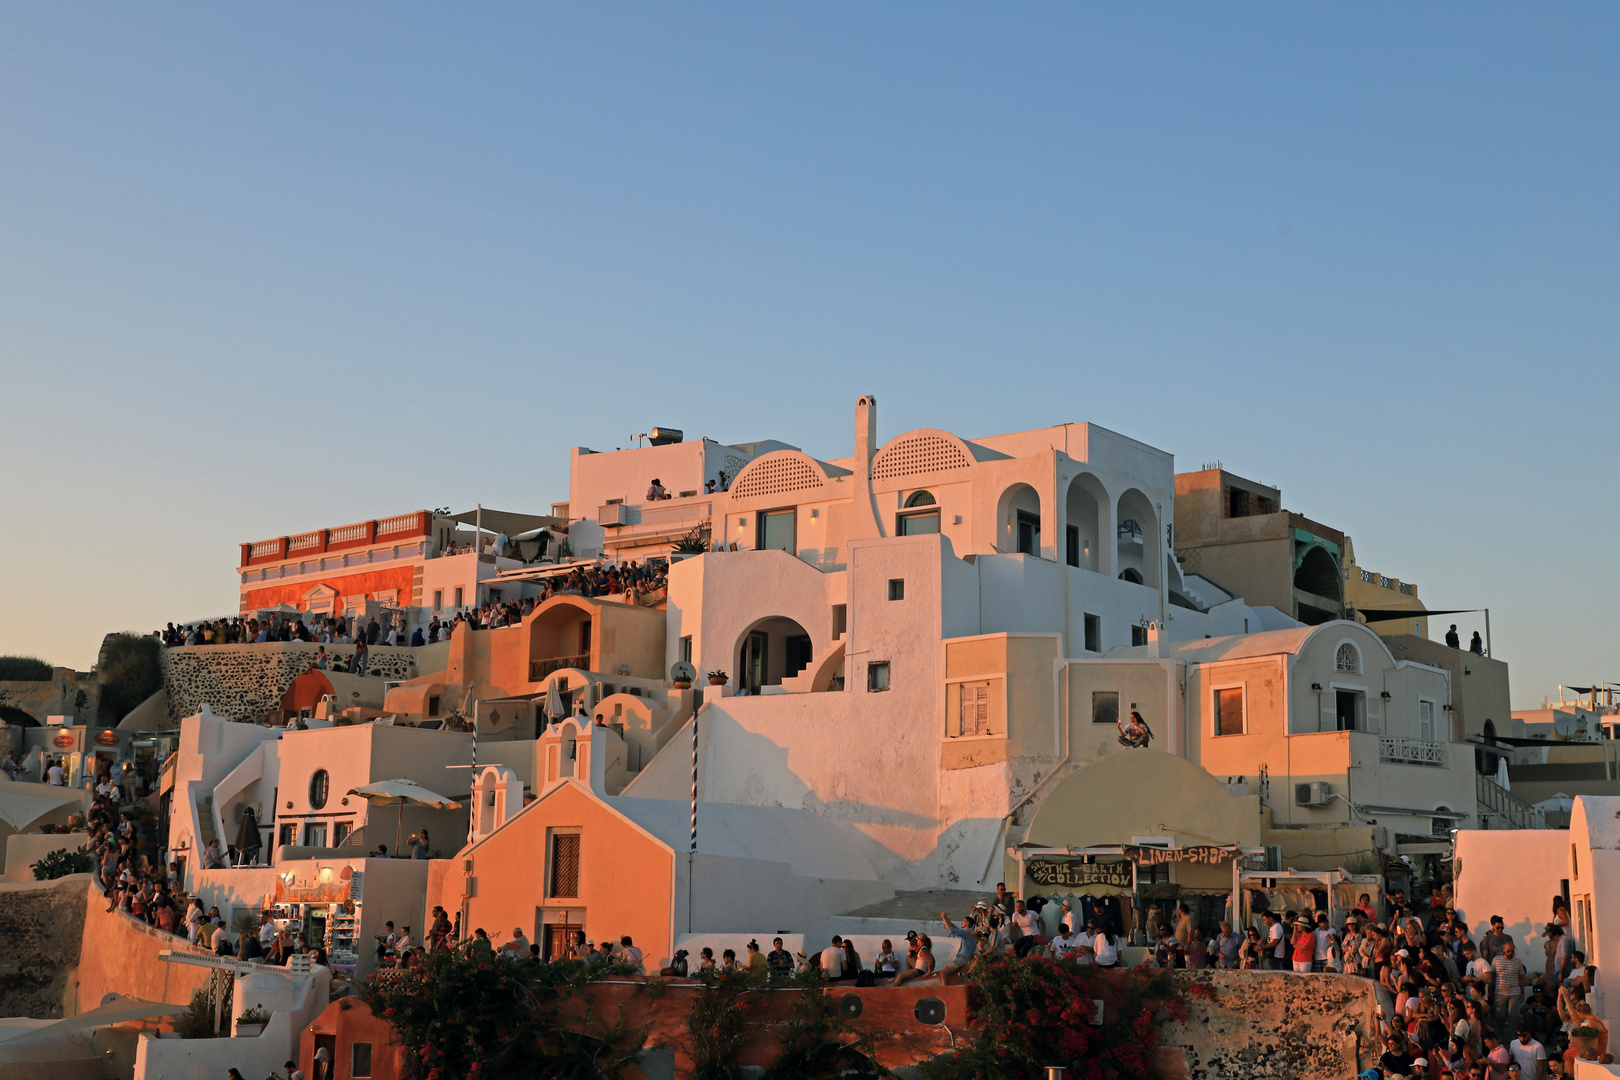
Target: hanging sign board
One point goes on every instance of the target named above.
(1154, 856)
(1073, 873)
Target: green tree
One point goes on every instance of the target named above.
(130, 670)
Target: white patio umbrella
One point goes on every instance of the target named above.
(401, 792)
(554, 703)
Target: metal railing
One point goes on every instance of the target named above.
(1400, 751)
(539, 669)
(1495, 801)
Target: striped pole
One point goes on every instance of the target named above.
(694, 781)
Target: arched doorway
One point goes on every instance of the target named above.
(1137, 538)
(1018, 519)
(770, 651)
(16, 717)
(1082, 522)
(1318, 574)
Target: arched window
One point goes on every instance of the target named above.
(319, 785)
(921, 515)
(920, 498)
(1131, 574)
(1347, 659)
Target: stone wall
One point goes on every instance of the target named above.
(1272, 1025)
(66, 693)
(245, 682)
(42, 927)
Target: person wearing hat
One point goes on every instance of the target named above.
(677, 965)
(1304, 945)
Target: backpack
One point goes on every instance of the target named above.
(865, 978)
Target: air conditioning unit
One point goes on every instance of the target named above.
(1274, 858)
(1313, 794)
(1380, 838)
(614, 513)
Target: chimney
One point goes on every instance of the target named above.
(864, 523)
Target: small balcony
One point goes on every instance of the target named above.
(1397, 751)
(540, 669)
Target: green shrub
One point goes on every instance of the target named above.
(197, 1022)
(24, 669)
(129, 670)
(61, 863)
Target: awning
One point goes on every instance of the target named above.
(505, 521)
(1386, 614)
(117, 1011)
(20, 811)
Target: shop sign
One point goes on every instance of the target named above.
(1155, 856)
(64, 740)
(1073, 873)
(107, 737)
(311, 892)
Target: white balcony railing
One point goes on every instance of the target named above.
(1400, 751)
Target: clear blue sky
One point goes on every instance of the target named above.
(266, 269)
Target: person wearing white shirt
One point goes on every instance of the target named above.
(55, 776)
(1530, 1055)
(832, 959)
(1105, 951)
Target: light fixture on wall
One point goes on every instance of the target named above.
(1385, 695)
(289, 804)
(1317, 687)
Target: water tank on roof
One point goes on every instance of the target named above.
(663, 436)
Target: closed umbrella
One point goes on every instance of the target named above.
(247, 837)
(554, 703)
(400, 792)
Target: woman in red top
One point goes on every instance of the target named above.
(1304, 946)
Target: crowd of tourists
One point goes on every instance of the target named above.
(634, 581)
(1452, 1008)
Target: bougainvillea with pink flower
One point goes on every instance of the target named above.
(1030, 1013)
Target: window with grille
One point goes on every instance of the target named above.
(918, 454)
(1347, 659)
(564, 865)
(1105, 706)
(975, 712)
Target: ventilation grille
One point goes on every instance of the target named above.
(918, 454)
(565, 865)
(775, 475)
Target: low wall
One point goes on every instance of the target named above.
(1265, 1024)
(23, 850)
(120, 956)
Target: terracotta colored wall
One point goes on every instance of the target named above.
(371, 581)
(120, 955)
(625, 880)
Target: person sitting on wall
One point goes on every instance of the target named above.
(1134, 732)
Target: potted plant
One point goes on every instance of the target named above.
(252, 1021)
(1581, 1038)
(718, 678)
(683, 684)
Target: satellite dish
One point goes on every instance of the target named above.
(849, 1006)
(681, 671)
(1565, 724)
(929, 1010)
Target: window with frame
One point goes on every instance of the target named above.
(917, 522)
(319, 788)
(564, 879)
(1426, 720)
(1105, 706)
(289, 836)
(1229, 718)
(360, 1060)
(315, 834)
(340, 832)
(974, 712)
(775, 530)
(897, 588)
(877, 676)
(1093, 630)
(1029, 533)
(1347, 659)
(840, 620)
